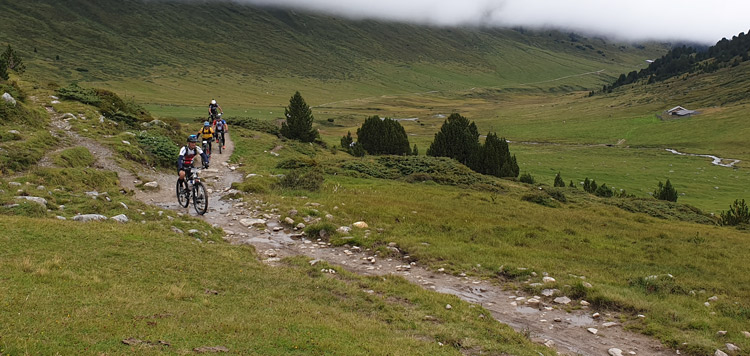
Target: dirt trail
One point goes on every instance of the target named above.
(102, 154)
(545, 323)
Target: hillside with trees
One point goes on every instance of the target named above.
(689, 60)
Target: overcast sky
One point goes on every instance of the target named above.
(704, 21)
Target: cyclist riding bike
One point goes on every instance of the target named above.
(187, 154)
(207, 134)
(214, 109)
(220, 128)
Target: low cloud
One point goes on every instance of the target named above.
(665, 20)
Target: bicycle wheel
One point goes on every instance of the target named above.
(183, 194)
(200, 198)
(219, 144)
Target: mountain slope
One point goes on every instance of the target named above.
(226, 43)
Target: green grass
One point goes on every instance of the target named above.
(87, 287)
(485, 233)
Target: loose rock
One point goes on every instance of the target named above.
(562, 300)
(360, 225)
(122, 218)
(614, 352)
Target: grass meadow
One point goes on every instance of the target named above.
(497, 235)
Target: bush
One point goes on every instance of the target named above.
(557, 194)
(77, 93)
(737, 214)
(310, 179)
(163, 149)
(541, 198)
(526, 178)
(253, 124)
(604, 191)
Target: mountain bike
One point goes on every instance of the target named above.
(191, 187)
(206, 146)
(220, 140)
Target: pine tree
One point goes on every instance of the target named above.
(346, 141)
(587, 185)
(3, 70)
(12, 61)
(458, 139)
(665, 192)
(559, 182)
(572, 185)
(415, 151)
(593, 187)
(383, 136)
(299, 119)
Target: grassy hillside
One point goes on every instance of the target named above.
(505, 231)
(181, 53)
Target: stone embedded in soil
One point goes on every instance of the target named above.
(592, 330)
(614, 352)
(360, 225)
(89, 217)
(720, 353)
(562, 300)
(253, 222)
(548, 280)
(609, 324)
(732, 347)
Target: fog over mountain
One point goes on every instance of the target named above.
(668, 20)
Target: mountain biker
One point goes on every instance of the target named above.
(207, 134)
(220, 128)
(187, 154)
(214, 109)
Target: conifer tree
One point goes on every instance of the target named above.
(415, 151)
(12, 60)
(299, 119)
(587, 185)
(3, 70)
(346, 141)
(383, 136)
(665, 192)
(458, 139)
(572, 185)
(559, 181)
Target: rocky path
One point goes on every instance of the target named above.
(258, 223)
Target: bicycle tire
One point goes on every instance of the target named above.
(183, 198)
(200, 198)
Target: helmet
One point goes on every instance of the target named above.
(219, 115)
(206, 123)
(213, 102)
(192, 138)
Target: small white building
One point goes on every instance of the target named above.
(680, 111)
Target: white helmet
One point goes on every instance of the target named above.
(213, 102)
